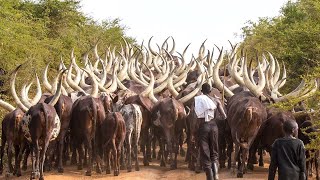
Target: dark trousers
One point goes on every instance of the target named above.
(208, 143)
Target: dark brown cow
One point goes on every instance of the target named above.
(88, 113)
(113, 133)
(269, 131)
(245, 115)
(63, 109)
(170, 115)
(40, 125)
(11, 133)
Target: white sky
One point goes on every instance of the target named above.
(188, 21)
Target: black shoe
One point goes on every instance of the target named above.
(209, 174)
(215, 171)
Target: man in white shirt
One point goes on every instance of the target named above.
(205, 107)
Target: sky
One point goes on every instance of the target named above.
(187, 21)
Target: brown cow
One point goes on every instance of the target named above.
(88, 113)
(11, 133)
(269, 131)
(245, 115)
(113, 133)
(170, 115)
(63, 109)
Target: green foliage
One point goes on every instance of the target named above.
(293, 37)
(43, 31)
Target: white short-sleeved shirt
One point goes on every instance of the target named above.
(204, 107)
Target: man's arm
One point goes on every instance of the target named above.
(274, 162)
(221, 110)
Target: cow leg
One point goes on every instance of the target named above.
(80, 155)
(3, 144)
(115, 158)
(154, 143)
(61, 149)
(135, 149)
(16, 154)
(235, 158)
(18, 159)
(74, 154)
(85, 156)
(107, 161)
(162, 144)
(88, 146)
(128, 145)
(43, 155)
(261, 157)
(36, 158)
(9, 152)
(144, 142)
(26, 149)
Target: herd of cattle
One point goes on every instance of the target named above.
(101, 112)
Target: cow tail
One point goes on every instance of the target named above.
(94, 127)
(45, 118)
(248, 114)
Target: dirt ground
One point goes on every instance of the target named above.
(152, 172)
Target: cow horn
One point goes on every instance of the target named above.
(146, 92)
(123, 72)
(173, 45)
(200, 81)
(234, 72)
(216, 78)
(255, 90)
(38, 95)
(57, 94)
(284, 76)
(94, 86)
(7, 106)
(114, 84)
(13, 90)
(46, 84)
(276, 73)
(150, 49)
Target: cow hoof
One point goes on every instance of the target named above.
(88, 173)
(250, 166)
(18, 173)
(261, 164)
(129, 169)
(162, 164)
(137, 168)
(198, 169)
(239, 175)
(108, 171)
(116, 173)
(24, 167)
(98, 170)
(145, 163)
(41, 178)
(173, 167)
(80, 167)
(60, 170)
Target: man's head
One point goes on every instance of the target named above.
(206, 88)
(290, 127)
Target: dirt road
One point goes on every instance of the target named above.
(152, 172)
